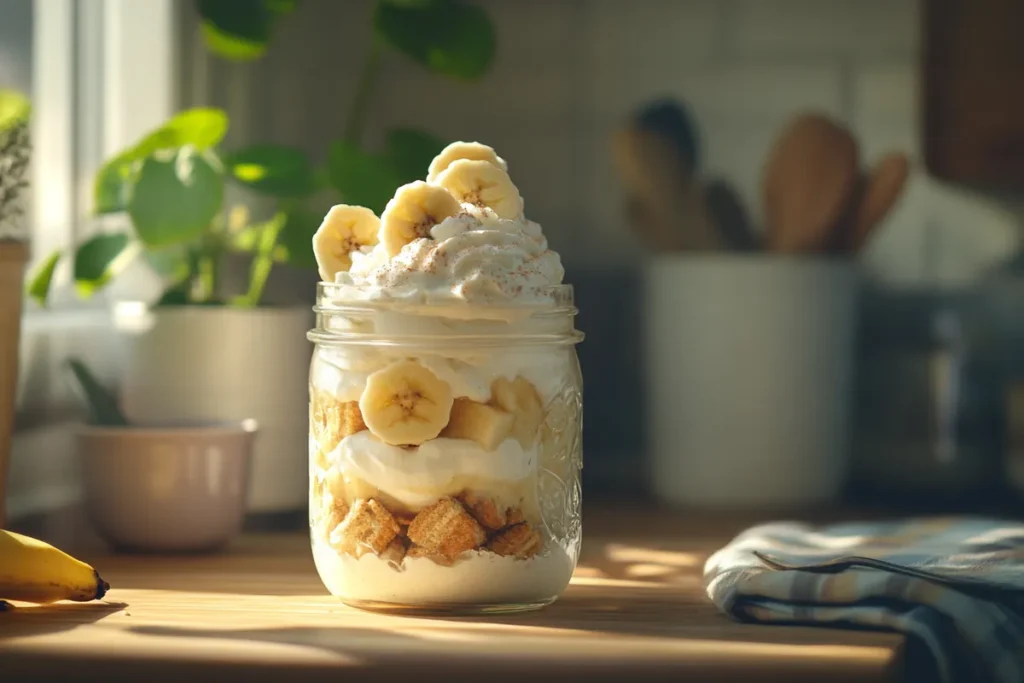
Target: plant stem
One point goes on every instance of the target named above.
(364, 91)
(207, 277)
(193, 257)
(204, 262)
(262, 262)
(208, 257)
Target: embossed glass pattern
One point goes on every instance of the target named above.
(445, 455)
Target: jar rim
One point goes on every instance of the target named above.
(492, 324)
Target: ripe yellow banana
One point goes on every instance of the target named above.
(34, 571)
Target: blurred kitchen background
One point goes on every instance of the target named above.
(934, 338)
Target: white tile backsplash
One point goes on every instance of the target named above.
(886, 109)
(648, 34)
(537, 99)
(886, 94)
(533, 33)
(815, 29)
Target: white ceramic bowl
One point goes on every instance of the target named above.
(167, 488)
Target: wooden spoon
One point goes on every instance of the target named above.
(665, 206)
(881, 191)
(810, 174)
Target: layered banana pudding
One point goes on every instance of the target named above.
(445, 398)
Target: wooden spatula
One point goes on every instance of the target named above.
(882, 189)
(810, 174)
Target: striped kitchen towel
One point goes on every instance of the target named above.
(953, 585)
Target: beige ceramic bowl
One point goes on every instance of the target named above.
(167, 488)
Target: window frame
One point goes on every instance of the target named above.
(103, 73)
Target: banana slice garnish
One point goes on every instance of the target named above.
(483, 184)
(345, 229)
(412, 212)
(463, 150)
(405, 404)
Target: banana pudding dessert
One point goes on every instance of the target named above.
(445, 399)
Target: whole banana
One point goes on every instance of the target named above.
(34, 571)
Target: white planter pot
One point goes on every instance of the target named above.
(223, 364)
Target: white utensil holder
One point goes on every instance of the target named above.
(749, 368)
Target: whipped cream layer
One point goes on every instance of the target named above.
(343, 372)
(472, 257)
(417, 477)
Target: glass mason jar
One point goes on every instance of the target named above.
(444, 453)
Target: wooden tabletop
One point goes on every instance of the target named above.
(258, 612)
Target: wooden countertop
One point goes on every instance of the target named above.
(636, 608)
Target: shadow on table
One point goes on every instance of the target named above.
(32, 620)
(450, 653)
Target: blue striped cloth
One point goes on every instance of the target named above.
(954, 586)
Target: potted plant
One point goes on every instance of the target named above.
(14, 157)
(200, 352)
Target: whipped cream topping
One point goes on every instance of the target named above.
(473, 256)
(417, 477)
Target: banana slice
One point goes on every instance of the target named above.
(344, 230)
(483, 184)
(412, 212)
(520, 398)
(463, 150)
(405, 404)
(484, 424)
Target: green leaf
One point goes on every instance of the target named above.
(102, 405)
(273, 170)
(281, 7)
(112, 188)
(295, 242)
(239, 30)
(170, 262)
(99, 259)
(361, 178)
(231, 47)
(235, 29)
(410, 152)
(450, 38)
(202, 128)
(175, 198)
(14, 108)
(176, 295)
(40, 279)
